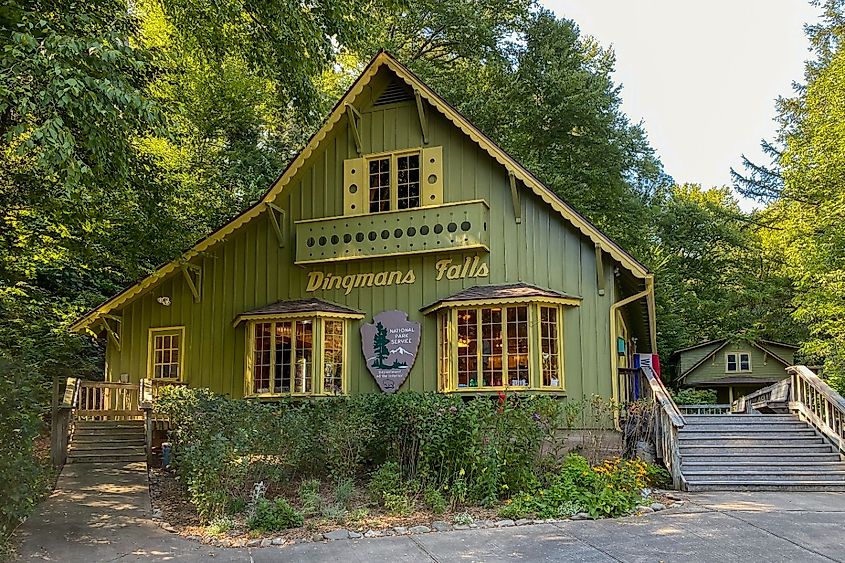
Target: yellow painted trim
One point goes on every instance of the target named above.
(571, 301)
(423, 207)
(183, 349)
(614, 358)
(338, 113)
(483, 247)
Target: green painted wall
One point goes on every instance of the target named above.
(249, 270)
(763, 366)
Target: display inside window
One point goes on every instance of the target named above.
(379, 185)
(408, 181)
(284, 354)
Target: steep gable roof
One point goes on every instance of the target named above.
(338, 113)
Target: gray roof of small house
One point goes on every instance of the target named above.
(519, 290)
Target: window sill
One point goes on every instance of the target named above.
(274, 396)
(496, 390)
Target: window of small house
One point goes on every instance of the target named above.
(495, 347)
(296, 357)
(738, 362)
(394, 182)
(166, 359)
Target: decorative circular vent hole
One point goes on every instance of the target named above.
(452, 227)
(310, 242)
(398, 233)
(323, 241)
(353, 188)
(438, 228)
(411, 231)
(424, 230)
(385, 234)
(465, 226)
(359, 237)
(347, 238)
(335, 239)
(432, 178)
(372, 235)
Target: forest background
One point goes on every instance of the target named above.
(129, 130)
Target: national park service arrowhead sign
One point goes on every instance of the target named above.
(390, 346)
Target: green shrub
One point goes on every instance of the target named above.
(344, 490)
(695, 397)
(274, 516)
(309, 496)
(386, 481)
(434, 500)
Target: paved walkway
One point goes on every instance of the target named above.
(101, 514)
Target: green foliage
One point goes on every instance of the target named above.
(385, 481)
(435, 500)
(695, 397)
(309, 497)
(23, 477)
(274, 516)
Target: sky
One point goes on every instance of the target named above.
(702, 75)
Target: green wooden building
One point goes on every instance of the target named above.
(733, 368)
(397, 203)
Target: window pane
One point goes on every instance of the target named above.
(261, 358)
(443, 364)
(491, 347)
(281, 365)
(744, 362)
(408, 186)
(731, 362)
(549, 356)
(302, 369)
(517, 345)
(333, 356)
(379, 185)
(467, 348)
(165, 356)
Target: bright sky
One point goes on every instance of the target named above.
(702, 75)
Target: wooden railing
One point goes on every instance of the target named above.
(668, 422)
(705, 409)
(818, 404)
(100, 400)
(778, 391)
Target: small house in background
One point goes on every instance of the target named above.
(732, 368)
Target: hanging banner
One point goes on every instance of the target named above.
(390, 346)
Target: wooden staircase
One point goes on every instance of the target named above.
(107, 441)
(771, 452)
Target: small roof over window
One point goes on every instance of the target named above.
(504, 293)
(311, 307)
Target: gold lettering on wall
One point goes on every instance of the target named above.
(471, 267)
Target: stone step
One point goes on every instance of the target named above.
(743, 450)
(798, 485)
(110, 458)
(750, 475)
(763, 434)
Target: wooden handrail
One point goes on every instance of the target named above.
(816, 402)
(669, 421)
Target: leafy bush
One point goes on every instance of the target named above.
(386, 481)
(435, 501)
(309, 496)
(274, 516)
(695, 397)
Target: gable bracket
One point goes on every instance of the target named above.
(600, 269)
(113, 336)
(517, 208)
(423, 117)
(354, 122)
(193, 277)
(277, 220)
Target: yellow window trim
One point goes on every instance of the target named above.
(151, 333)
(296, 316)
(317, 355)
(535, 375)
(504, 301)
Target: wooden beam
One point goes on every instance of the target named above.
(278, 223)
(354, 118)
(112, 335)
(423, 118)
(517, 208)
(187, 271)
(600, 269)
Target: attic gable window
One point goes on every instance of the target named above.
(736, 362)
(394, 181)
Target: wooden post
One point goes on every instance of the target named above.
(148, 431)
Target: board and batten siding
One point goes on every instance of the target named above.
(763, 367)
(249, 270)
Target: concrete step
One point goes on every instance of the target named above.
(753, 475)
(799, 485)
(685, 436)
(110, 458)
(756, 448)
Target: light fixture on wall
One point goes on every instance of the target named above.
(164, 300)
